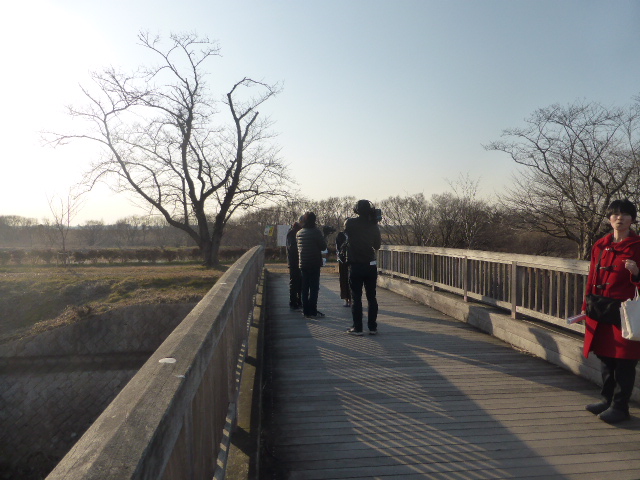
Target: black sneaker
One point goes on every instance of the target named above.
(319, 314)
(373, 332)
(353, 331)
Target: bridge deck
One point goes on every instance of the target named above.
(429, 397)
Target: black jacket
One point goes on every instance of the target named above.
(311, 243)
(364, 240)
(292, 247)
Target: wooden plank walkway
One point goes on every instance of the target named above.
(429, 397)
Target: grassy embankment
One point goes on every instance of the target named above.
(35, 298)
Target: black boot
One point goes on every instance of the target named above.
(607, 371)
(625, 373)
(618, 377)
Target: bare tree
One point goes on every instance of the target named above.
(577, 159)
(408, 220)
(333, 211)
(92, 231)
(17, 230)
(161, 140)
(474, 214)
(63, 212)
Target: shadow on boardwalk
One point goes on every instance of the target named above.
(429, 397)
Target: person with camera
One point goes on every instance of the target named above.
(613, 278)
(311, 243)
(364, 239)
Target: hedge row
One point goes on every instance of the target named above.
(123, 255)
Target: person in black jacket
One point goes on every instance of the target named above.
(311, 244)
(295, 277)
(364, 240)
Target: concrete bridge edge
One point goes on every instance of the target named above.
(244, 438)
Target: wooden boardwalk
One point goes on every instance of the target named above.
(429, 397)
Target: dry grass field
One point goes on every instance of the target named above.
(36, 298)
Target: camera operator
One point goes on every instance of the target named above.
(364, 239)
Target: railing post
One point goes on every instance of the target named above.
(393, 265)
(514, 288)
(433, 272)
(410, 267)
(465, 277)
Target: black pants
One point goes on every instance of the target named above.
(362, 274)
(618, 377)
(345, 291)
(310, 289)
(295, 287)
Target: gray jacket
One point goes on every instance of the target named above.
(311, 243)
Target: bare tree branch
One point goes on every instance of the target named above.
(162, 139)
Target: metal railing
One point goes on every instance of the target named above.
(169, 420)
(546, 288)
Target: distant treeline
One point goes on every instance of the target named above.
(448, 220)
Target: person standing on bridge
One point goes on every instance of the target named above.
(364, 239)
(311, 244)
(614, 275)
(293, 262)
(343, 268)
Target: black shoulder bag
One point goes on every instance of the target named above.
(603, 309)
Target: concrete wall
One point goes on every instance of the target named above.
(54, 385)
(550, 343)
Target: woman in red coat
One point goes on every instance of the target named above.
(614, 273)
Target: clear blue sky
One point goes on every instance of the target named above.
(380, 98)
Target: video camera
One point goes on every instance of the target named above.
(366, 208)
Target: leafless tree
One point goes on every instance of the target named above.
(92, 231)
(63, 211)
(132, 230)
(17, 230)
(577, 159)
(408, 220)
(162, 140)
(473, 213)
(333, 211)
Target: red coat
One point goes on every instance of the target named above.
(616, 282)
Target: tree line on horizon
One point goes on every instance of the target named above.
(455, 219)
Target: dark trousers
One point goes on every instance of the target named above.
(362, 274)
(618, 377)
(345, 291)
(295, 287)
(310, 288)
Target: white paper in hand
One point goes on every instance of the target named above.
(576, 318)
